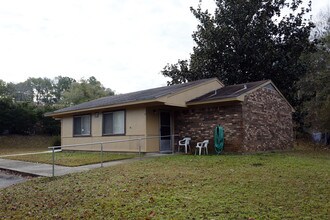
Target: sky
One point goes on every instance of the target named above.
(125, 44)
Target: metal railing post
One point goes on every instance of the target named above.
(53, 158)
(101, 155)
(139, 139)
(140, 148)
(172, 143)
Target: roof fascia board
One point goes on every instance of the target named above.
(217, 101)
(174, 104)
(161, 99)
(193, 87)
(254, 89)
(101, 107)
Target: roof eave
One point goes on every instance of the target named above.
(241, 97)
(231, 99)
(72, 112)
(159, 99)
(192, 87)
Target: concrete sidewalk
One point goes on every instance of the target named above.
(40, 169)
(8, 179)
(32, 153)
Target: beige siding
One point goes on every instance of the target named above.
(127, 146)
(153, 129)
(180, 99)
(140, 122)
(136, 121)
(135, 128)
(67, 127)
(96, 120)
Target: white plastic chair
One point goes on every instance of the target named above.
(184, 142)
(202, 145)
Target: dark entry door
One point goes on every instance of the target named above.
(165, 130)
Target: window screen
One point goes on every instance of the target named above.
(114, 123)
(82, 125)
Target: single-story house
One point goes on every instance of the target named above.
(255, 117)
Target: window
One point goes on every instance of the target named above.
(82, 125)
(114, 123)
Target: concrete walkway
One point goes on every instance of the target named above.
(8, 179)
(40, 169)
(23, 154)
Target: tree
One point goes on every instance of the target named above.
(314, 89)
(46, 125)
(21, 92)
(5, 106)
(3, 89)
(84, 91)
(42, 89)
(23, 105)
(61, 85)
(17, 118)
(248, 41)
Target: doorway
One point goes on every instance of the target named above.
(165, 130)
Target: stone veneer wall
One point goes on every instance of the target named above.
(267, 121)
(199, 123)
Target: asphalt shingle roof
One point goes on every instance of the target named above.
(148, 94)
(228, 91)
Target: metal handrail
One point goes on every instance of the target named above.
(101, 146)
(94, 143)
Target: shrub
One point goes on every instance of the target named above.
(56, 140)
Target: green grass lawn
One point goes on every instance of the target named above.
(17, 144)
(292, 185)
(72, 159)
